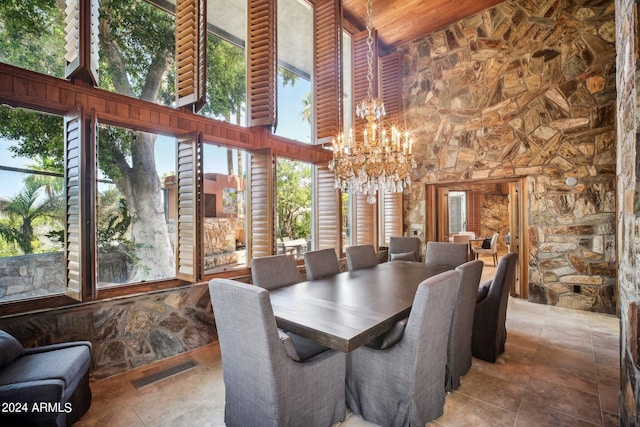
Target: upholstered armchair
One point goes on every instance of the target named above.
(491, 250)
(403, 385)
(268, 382)
(54, 377)
(489, 330)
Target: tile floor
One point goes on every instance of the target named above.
(560, 368)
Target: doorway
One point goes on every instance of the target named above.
(483, 207)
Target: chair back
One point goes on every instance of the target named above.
(489, 330)
(461, 238)
(321, 263)
(445, 253)
(459, 349)
(361, 256)
(276, 271)
(404, 245)
(494, 242)
(249, 343)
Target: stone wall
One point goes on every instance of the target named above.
(29, 276)
(628, 208)
(527, 89)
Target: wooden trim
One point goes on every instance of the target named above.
(327, 87)
(82, 53)
(27, 89)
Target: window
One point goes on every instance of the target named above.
(32, 36)
(293, 206)
(32, 225)
(136, 206)
(457, 211)
(224, 237)
(295, 60)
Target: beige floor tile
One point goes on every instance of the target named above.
(501, 393)
(462, 411)
(575, 403)
(531, 415)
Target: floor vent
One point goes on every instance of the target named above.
(165, 373)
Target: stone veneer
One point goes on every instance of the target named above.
(628, 207)
(527, 89)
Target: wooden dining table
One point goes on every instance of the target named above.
(349, 309)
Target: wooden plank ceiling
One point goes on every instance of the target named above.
(400, 21)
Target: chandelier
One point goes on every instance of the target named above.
(382, 158)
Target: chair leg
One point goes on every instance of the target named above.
(495, 259)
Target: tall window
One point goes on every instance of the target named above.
(348, 124)
(457, 211)
(31, 205)
(295, 59)
(224, 236)
(293, 206)
(136, 210)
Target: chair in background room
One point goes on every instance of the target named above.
(445, 253)
(489, 330)
(321, 263)
(491, 250)
(361, 256)
(402, 385)
(267, 382)
(275, 271)
(459, 348)
(404, 248)
(56, 374)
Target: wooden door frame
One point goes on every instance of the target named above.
(518, 219)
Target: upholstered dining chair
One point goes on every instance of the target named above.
(267, 382)
(491, 250)
(361, 256)
(445, 253)
(459, 348)
(489, 330)
(402, 385)
(275, 271)
(321, 263)
(404, 248)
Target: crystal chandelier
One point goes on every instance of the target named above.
(382, 159)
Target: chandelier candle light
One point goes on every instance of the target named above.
(382, 159)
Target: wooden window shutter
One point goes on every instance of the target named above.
(80, 250)
(365, 221)
(261, 222)
(188, 188)
(82, 40)
(262, 63)
(391, 87)
(360, 70)
(191, 52)
(328, 91)
(327, 209)
(390, 216)
(474, 212)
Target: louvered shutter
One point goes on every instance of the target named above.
(80, 251)
(327, 210)
(365, 221)
(261, 217)
(188, 176)
(390, 216)
(474, 214)
(262, 64)
(82, 39)
(391, 87)
(191, 56)
(327, 85)
(360, 70)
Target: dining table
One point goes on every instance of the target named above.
(347, 310)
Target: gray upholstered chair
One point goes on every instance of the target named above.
(489, 330)
(276, 271)
(361, 256)
(267, 382)
(491, 250)
(56, 374)
(402, 385)
(445, 253)
(404, 248)
(459, 348)
(321, 263)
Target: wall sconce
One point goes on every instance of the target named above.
(571, 181)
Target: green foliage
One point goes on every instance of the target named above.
(293, 204)
(114, 222)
